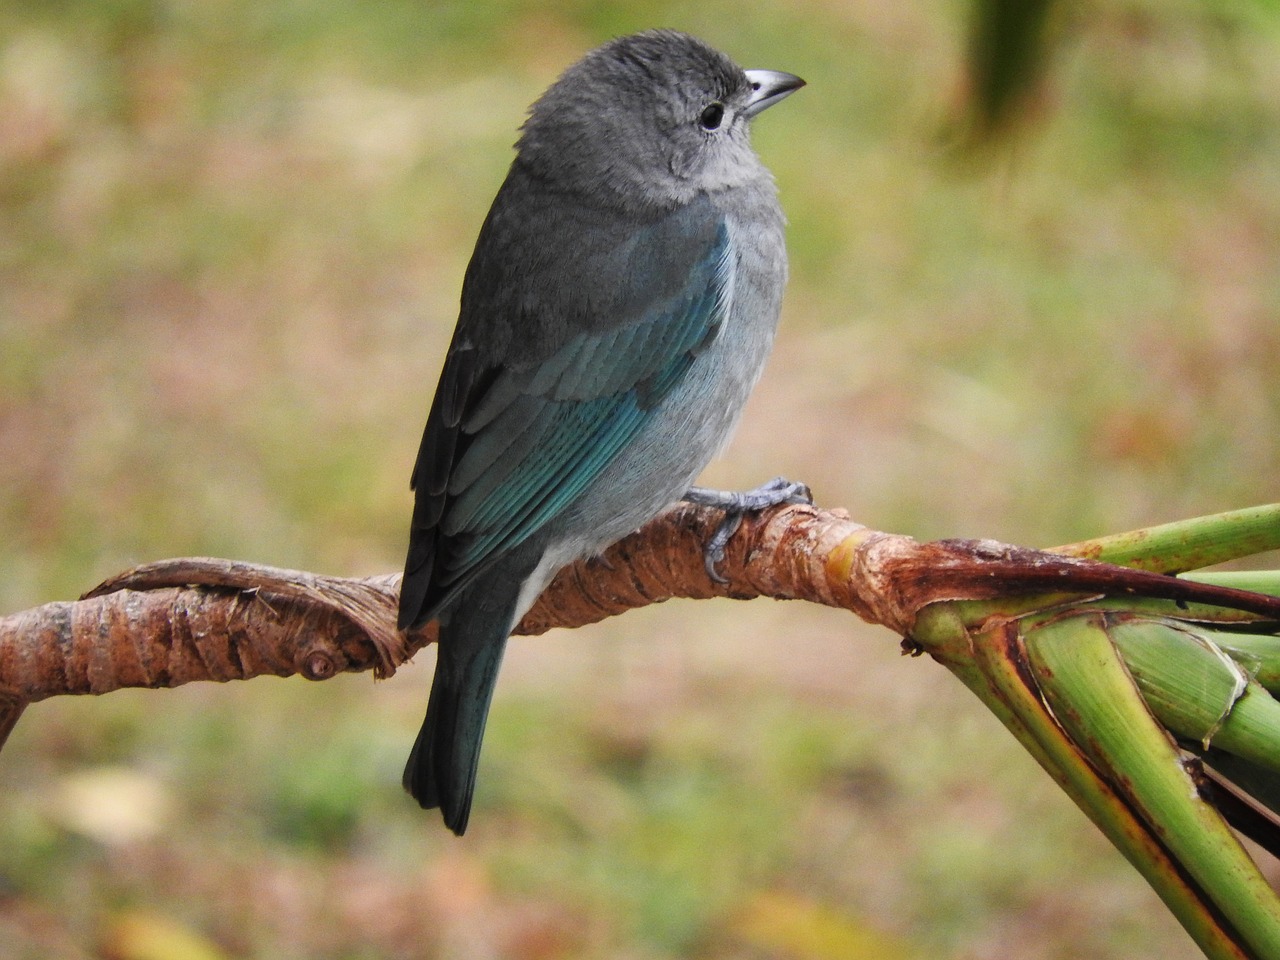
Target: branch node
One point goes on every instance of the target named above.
(317, 664)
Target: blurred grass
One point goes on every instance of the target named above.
(231, 240)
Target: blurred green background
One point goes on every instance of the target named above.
(232, 236)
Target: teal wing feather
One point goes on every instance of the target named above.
(509, 446)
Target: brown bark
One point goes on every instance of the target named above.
(171, 622)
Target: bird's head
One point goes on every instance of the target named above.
(650, 120)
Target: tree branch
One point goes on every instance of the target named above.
(169, 623)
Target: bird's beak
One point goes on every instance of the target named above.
(768, 87)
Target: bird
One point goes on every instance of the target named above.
(617, 310)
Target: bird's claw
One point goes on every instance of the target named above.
(736, 505)
(713, 552)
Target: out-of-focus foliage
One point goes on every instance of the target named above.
(231, 240)
(1007, 58)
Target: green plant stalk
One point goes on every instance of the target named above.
(1199, 613)
(1092, 693)
(1259, 655)
(1197, 691)
(1259, 581)
(987, 657)
(1188, 544)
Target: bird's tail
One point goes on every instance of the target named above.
(441, 771)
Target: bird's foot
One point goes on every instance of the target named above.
(735, 505)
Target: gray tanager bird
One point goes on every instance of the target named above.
(618, 308)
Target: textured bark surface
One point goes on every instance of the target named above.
(169, 623)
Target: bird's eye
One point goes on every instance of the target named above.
(712, 116)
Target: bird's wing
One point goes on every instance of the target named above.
(509, 446)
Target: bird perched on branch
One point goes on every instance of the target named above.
(617, 310)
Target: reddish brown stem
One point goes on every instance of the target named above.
(168, 623)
